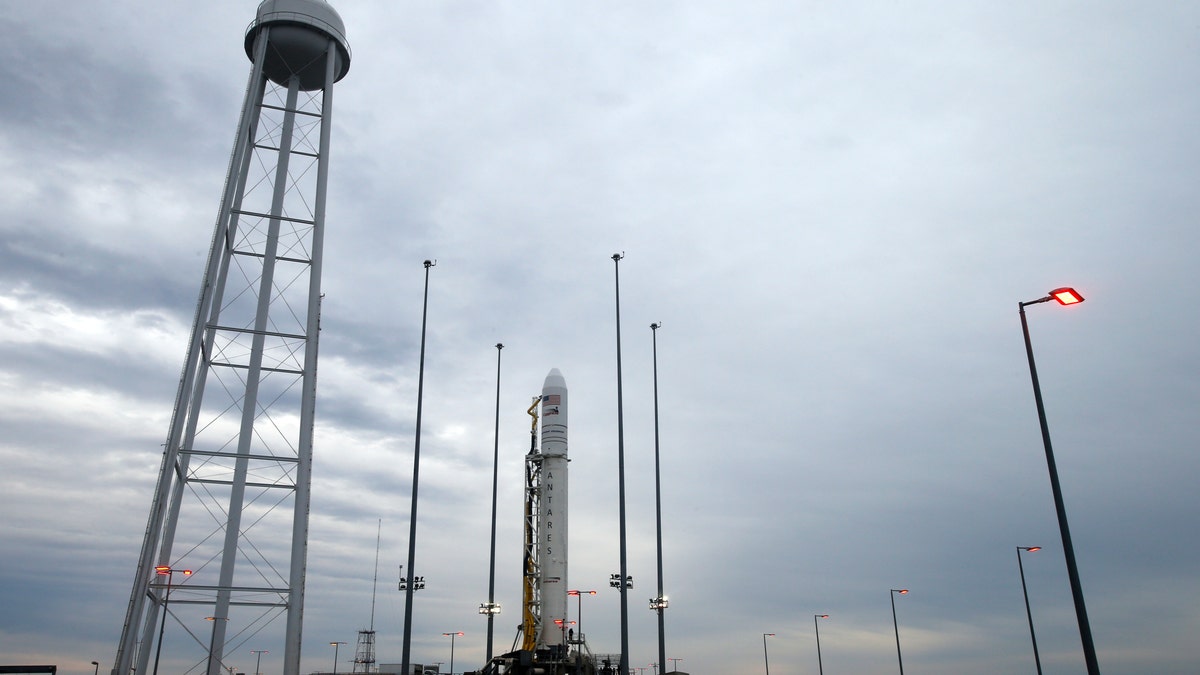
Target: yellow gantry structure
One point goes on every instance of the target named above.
(531, 618)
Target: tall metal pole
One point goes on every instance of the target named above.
(766, 661)
(163, 626)
(412, 513)
(1028, 614)
(491, 606)
(1085, 628)
(817, 628)
(661, 603)
(452, 636)
(336, 645)
(579, 607)
(896, 625)
(616, 258)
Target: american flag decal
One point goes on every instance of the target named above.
(551, 399)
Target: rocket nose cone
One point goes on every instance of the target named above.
(554, 379)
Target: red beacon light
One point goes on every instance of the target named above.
(1066, 296)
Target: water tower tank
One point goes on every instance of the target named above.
(300, 31)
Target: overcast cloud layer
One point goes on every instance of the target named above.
(834, 211)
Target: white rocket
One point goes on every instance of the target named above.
(552, 510)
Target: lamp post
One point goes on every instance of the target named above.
(491, 608)
(406, 645)
(579, 611)
(335, 646)
(820, 668)
(766, 661)
(624, 667)
(258, 659)
(563, 627)
(169, 573)
(211, 665)
(1064, 296)
(96, 670)
(896, 625)
(1028, 614)
(452, 636)
(659, 603)
(675, 665)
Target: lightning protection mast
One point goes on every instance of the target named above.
(232, 498)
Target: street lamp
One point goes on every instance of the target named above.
(258, 661)
(562, 626)
(335, 646)
(96, 670)
(579, 611)
(896, 626)
(1064, 296)
(452, 636)
(660, 603)
(169, 573)
(675, 666)
(624, 574)
(820, 668)
(406, 643)
(490, 608)
(766, 661)
(1029, 549)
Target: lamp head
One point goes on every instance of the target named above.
(1066, 296)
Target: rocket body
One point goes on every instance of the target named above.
(552, 511)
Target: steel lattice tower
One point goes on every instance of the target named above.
(232, 499)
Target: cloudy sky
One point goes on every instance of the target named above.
(833, 210)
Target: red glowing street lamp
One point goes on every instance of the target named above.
(896, 625)
(817, 629)
(766, 661)
(452, 636)
(1064, 296)
(1028, 614)
(579, 611)
(169, 573)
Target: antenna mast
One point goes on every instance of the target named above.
(364, 653)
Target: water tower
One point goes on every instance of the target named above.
(232, 500)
